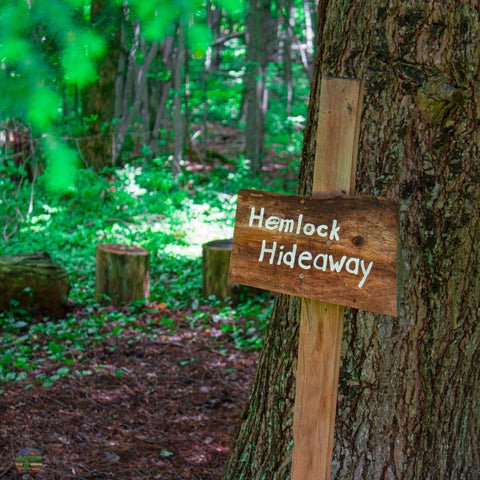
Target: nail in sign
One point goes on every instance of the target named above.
(339, 250)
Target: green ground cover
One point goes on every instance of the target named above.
(134, 205)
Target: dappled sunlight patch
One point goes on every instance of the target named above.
(128, 175)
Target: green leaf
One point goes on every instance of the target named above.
(62, 371)
(62, 164)
(43, 106)
(7, 358)
(200, 38)
(78, 58)
(21, 376)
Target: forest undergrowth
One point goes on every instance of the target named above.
(160, 382)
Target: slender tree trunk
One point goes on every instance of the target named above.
(409, 391)
(134, 89)
(286, 51)
(214, 19)
(205, 112)
(163, 89)
(258, 28)
(309, 37)
(179, 120)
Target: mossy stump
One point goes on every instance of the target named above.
(33, 282)
(122, 273)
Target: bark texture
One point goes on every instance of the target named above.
(409, 386)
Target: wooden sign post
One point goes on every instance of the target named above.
(321, 324)
(332, 247)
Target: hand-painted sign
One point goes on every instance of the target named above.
(339, 250)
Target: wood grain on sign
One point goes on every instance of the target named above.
(340, 250)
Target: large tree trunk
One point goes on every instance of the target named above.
(409, 390)
(99, 99)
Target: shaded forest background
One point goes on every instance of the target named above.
(128, 120)
(117, 82)
(105, 101)
(136, 123)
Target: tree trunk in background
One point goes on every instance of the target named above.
(160, 89)
(122, 273)
(309, 37)
(258, 32)
(409, 391)
(131, 87)
(214, 53)
(98, 103)
(179, 119)
(288, 35)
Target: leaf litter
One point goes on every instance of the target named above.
(140, 406)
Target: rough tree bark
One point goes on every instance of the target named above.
(214, 19)
(215, 264)
(122, 273)
(409, 386)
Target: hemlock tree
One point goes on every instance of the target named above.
(409, 390)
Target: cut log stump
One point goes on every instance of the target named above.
(216, 263)
(33, 282)
(122, 273)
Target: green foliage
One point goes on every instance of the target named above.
(45, 46)
(43, 43)
(145, 206)
(48, 49)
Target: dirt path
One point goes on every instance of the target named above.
(140, 408)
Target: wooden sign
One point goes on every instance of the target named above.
(340, 250)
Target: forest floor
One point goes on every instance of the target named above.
(138, 408)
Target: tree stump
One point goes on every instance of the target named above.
(33, 282)
(216, 263)
(122, 273)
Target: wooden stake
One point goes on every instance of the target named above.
(321, 323)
